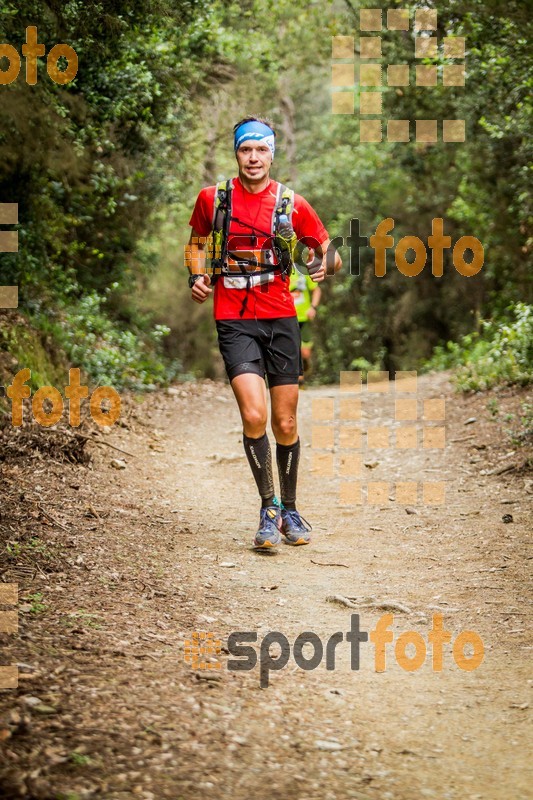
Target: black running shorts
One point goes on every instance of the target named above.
(268, 347)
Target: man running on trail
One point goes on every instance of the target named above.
(306, 295)
(250, 219)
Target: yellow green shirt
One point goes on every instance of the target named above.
(301, 288)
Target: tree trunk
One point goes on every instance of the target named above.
(289, 134)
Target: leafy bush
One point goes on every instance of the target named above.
(501, 352)
(110, 355)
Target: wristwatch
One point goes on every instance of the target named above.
(193, 279)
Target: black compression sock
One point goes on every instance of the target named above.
(260, 460)
(288, 457)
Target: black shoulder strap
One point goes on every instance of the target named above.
(222, 216)
(221, 224)
(222, 204)
(227, 220)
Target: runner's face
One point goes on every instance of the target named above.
(254, 160)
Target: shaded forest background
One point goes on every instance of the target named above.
(106, 170)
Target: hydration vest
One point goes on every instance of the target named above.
(282, 246)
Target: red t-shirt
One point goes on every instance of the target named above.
(267, 300)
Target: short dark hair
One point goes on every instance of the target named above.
(264, 120)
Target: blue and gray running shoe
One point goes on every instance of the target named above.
(268, 534)
(294, 527)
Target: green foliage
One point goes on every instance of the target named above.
(479, 187)
(68, 796)
(109, 354)
(106, 170)
(522, 432)
(31, 547)
(28, 348)
(80, 161)
(37, 607)
(81, 618)
(500, 353)
(79, 759)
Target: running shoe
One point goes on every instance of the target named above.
(268, 534)
(294, 527)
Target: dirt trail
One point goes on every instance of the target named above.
(143, 554)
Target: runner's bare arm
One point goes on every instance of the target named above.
(315, 300)
(195, 263)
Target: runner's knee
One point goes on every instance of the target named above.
(254, 421)
(284, 427)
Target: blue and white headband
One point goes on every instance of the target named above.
(255, 130)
